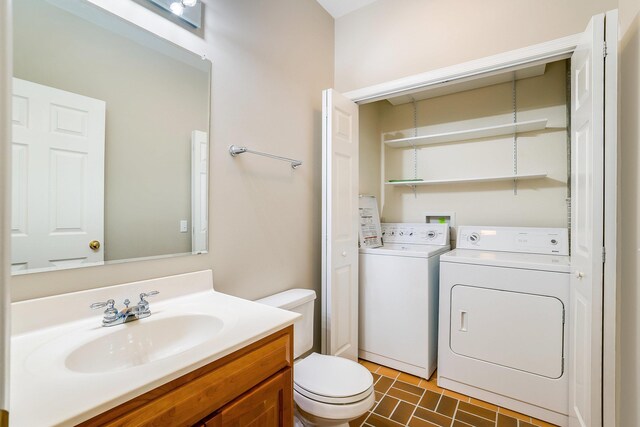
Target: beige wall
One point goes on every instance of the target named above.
(390, 39)
(538, 203)
(629, 227)
(271, 61)
(153, 102)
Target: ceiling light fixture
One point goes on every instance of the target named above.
(189, 11)
(177, 8)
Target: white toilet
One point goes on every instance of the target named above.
(327, 390)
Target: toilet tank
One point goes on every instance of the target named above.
(299, 301)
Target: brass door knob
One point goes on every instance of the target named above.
(94, 245)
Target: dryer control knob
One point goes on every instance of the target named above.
(474, 237)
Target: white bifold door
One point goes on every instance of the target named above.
(591, 66)
(57, 177)
(339, 226)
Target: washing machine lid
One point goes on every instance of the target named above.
(332, 379)
(402, 249)
(554, 263)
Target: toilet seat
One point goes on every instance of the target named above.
(329, 411)
(332, 380)
(333, 400)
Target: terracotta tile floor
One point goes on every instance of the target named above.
(405, 400)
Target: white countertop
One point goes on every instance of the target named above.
(44, 392)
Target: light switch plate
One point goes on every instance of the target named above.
(184, 226)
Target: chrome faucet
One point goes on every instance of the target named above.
(114, 317)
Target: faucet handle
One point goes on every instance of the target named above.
(110, 314)
(109, 304)
(148, 294)
(143, 304)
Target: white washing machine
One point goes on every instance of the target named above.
(398, 307)
(504, 298)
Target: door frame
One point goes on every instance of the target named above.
(550, 51)
(611, 296)
(6, 74)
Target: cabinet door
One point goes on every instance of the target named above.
(267, 405)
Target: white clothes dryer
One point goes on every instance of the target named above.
(398, 298)
(504, 298)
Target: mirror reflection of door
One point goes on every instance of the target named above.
(199, 190)
(58, 177)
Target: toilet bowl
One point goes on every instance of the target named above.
(330, 390)
(327, 390)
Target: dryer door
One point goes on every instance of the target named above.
(512, 329)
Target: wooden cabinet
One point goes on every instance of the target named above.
(267, 405)
(253, 386)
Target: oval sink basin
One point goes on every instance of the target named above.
(141, 342)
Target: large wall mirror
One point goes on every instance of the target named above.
(110, 140)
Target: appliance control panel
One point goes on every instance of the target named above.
(552, 241)
(416, 234)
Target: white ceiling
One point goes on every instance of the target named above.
(338, 8)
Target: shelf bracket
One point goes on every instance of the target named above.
(415, 149)
(515, 134)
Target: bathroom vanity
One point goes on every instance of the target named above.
(201, 358)
(253, 384)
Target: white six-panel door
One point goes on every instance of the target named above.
(58, 177)
(587, 163)
(340, 226)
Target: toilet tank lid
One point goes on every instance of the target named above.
(289, 299)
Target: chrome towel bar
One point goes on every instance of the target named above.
(234, 150)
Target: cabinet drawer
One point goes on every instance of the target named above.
(189, 399)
